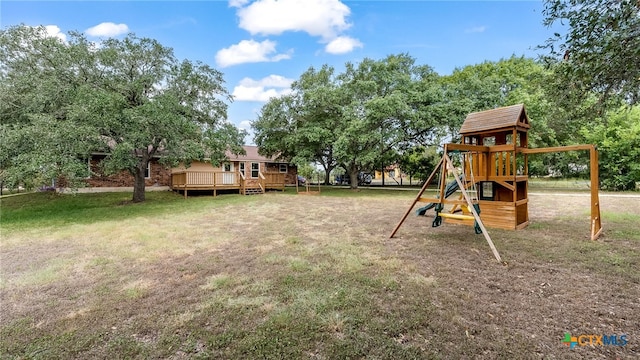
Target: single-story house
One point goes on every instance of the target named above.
(251, 173)
(248, 174)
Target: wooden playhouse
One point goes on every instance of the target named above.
(492, 173)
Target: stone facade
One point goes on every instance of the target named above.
(158, 175)
(161, 176)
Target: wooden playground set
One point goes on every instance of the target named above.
(493, 177)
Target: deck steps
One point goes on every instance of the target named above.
(253, 191)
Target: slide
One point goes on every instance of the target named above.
(451, 188)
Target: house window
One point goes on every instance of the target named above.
(147, 171)
(226, 167)
(283, 168)
(242, 169)
(255, 170)
(489, 141)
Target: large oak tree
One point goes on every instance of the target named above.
(61, 101)
(301, 127)
(360, 119)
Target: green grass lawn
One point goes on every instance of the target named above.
(292, 276)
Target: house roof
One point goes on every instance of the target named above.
(252, 155)
(496, 119)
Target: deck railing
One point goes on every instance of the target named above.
(225, 180)
(499, 162)
(206, 179)
(178, 180)
(273, 180)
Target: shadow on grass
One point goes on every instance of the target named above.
(50, 209)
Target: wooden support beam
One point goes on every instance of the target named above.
(500, 148)
(443, 179)
(505, 184)
(465, 147)
(454, 202)
(430, 200)
(596, 223)
(557, 149)
(471, 208)
(424, 187)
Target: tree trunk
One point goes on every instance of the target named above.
(327, 177)
(353, 176)
(138, 184)
(327, 174)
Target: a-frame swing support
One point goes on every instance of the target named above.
(443, 166)
(418, 198)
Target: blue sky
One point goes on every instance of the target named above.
(263, 45)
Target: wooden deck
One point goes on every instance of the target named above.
(226, 180)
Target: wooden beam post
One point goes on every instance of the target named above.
(471, 208)
(424, 187)
(443, 176)
(596, 223)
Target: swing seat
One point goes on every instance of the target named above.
(457, 216)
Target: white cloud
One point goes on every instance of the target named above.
(258, 93)
(262, 90)
(324, 18)
(54, 31)
(107, 29)
(342, 45)
(249, 51)
(245, 125)
(269, 81)
(476, 29)
(238, 3)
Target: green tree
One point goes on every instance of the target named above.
(129, 97)
(618, 143)
(419, 161)
(319, 118)
(601, 48)
(491, 84)
(39, 137)
(387, 105)
(301, 127)
(358, 120)
(506, 82)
